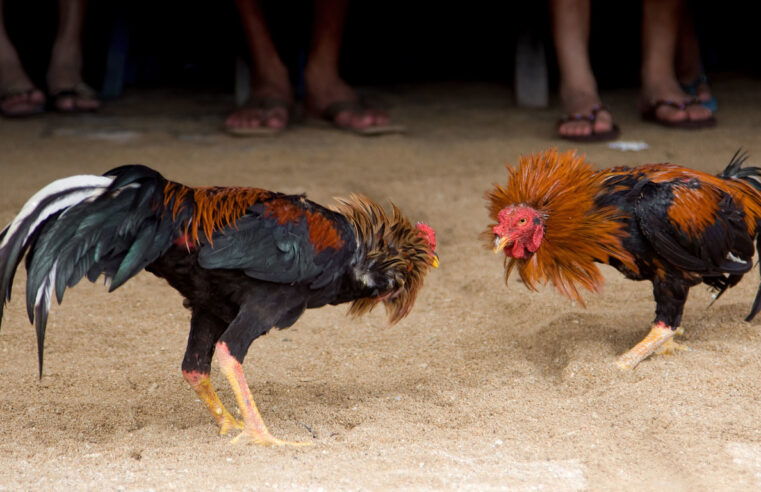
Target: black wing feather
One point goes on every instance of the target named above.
(268, 250)
(706, 255)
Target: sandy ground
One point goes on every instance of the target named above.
(482, 387)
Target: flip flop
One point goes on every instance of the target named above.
(80, 91)
(264, 104)
(37, 109)
(591, 117)
(692, 89)
(649, 114)
(330, 113)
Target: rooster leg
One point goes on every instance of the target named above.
(201, 384)
(254, 427)
(671, 347)
(205, 330)
(659, 334)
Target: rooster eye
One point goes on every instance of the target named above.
(522, 221)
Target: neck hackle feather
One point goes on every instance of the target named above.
(562, 188)
(391, 247)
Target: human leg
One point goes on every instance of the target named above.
(205, 330)
(689, 65)
(327, 94)
(578, 88)
(663, 100)
(65, 84)
(268, 108)
(18, 95)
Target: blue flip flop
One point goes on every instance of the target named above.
(692, 89)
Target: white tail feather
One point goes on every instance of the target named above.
(83, 187)
(45, 292)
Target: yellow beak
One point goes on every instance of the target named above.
(435, 263)
(500, 243)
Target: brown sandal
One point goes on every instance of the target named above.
(330, 113)
(264, 104)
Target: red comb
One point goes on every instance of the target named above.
(427, 232)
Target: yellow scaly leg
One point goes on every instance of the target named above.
(201, 384)
(659, 335)
(254, 427)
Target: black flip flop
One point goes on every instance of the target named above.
(649, 114)
(79, 91)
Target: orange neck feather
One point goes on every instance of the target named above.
(215, 207)
(562, 187)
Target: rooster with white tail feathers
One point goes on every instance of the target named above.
(245, 259)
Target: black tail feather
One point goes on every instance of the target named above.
(752, 176)
(734, 170)
(116, 231)
(757, 301)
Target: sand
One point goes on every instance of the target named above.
(482, 387)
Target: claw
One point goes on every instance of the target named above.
(670, 347)
(253, 426)
(228, 423)
(265, 440)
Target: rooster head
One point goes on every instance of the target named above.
(430, 237)
(519, 231)
(395, 256)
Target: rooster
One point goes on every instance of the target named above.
(245, 259)
(676, 227)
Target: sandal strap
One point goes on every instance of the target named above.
(16, 93)
(692, 87)
(690, 101)
(591, 116)
(80, 90)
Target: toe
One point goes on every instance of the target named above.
(698, 112)
(87, 103)
(276, 118)
(244, 118)
(576, 128)
(379, 118)
(670, 114)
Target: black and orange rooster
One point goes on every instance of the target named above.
(245, 259)
(674, 226)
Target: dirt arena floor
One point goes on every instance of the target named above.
(482, 387)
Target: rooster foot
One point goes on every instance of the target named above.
(254, 429)
(670, 347)
(227, 423)
(659, 335)
(264, 439)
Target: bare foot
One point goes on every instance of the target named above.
(325, 89)
(579, 120)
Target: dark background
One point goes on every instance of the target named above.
(193, 44)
